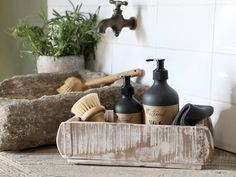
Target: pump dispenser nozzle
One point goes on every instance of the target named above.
(127, 88)
(160, 73)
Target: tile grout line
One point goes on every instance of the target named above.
(173, 49)
(212, 55)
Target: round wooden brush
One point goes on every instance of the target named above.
(89, 108)
(74, 84)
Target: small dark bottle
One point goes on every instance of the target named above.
(160, 101)
(128, 109)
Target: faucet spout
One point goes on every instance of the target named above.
(103, 25)
(116, 22)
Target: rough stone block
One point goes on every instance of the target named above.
(31, 110)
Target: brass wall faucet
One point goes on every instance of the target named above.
(117, 21)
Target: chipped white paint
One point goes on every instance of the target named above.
(135, 144)
(164, 148)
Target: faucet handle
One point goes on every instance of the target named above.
(118, 4)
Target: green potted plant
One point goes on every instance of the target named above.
(61, 43)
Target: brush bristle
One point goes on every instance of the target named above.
(85, 103)
(64, 89)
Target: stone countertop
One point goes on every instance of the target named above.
(47, 162)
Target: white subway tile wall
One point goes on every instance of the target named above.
(197, 37)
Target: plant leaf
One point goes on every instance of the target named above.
(71, 33)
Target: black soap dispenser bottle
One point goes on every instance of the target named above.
(160, 101)
(128, 109)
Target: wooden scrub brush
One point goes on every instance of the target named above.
(89, 108)
(74, 84)
(71, 84)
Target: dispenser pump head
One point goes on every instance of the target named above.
(127, 89)
(160, 73)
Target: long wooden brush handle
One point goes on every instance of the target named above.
(113, 78)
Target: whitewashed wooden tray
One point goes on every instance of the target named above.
(122, 144)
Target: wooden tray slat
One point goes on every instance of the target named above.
(135, 144)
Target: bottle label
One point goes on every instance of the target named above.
(160, 115)
(135, 118)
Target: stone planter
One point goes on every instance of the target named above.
(48, 64)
